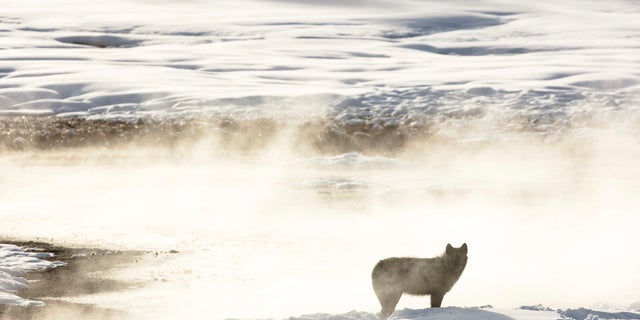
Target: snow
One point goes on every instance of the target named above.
(480, 313)
(15, 261)
(529, 113)
(436, 57)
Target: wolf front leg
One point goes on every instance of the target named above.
(436, 300)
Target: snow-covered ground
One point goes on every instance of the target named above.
(535, 312)
(394, 61)
(519, 124)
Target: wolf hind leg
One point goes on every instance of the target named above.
(436, 300)
(388, 301)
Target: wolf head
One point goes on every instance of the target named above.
(457, 255)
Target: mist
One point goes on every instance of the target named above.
(276, 232)
(266, 154)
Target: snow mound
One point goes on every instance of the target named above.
(589, 314)
(14, 262)
(351, 315)
(451, 313)
(481, 313)
(537, 307)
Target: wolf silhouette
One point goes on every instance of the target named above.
(392, 277)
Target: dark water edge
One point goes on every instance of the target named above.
(78, 277)
(62, 310)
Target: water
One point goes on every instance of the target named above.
(283, 151)
(276, 234)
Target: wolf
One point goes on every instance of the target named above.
(392, 277)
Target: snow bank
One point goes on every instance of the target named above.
(483, 313)
(14, 262)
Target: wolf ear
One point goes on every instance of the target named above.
(449, 249)
(464, 248)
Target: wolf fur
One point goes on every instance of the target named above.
(392, 277)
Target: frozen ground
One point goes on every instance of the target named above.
(511, 126)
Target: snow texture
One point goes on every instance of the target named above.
(14, 263)
(355, 61)
(480, 313)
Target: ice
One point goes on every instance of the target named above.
(8, 298)
(15, 261)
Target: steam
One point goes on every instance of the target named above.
(284, 150)
(547, 221)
